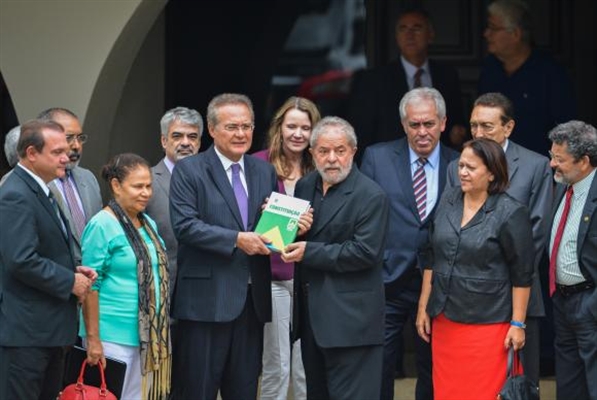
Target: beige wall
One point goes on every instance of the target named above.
(85, 55)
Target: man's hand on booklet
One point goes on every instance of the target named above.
(305, 221)
(252, 243)
(294, 252)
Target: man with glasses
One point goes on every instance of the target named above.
(222, 297)
(538, 87)
(376, 92)
(77, 193)
(531, 184)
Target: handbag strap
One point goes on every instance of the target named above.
(515, 363)
(103, 386)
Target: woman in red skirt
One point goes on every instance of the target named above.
(477, 279)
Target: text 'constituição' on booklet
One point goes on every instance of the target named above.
(279, 220)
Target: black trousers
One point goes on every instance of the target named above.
(575, 346)
(402, 299)
(339, 373)
(31, 372)
(218, 356)
(532, 349)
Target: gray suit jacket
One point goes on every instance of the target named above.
(36, 268)
(158, 208)
(89, 192)
(531, 184)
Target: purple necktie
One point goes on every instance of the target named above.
(240, 194)
(73, 205)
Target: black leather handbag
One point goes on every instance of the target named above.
(518, 386)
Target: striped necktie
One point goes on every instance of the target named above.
(73, 204)
(420, 188)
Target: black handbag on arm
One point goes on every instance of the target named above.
(517, 386)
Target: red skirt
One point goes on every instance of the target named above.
(469, 360)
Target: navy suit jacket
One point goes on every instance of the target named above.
(342, 262)
(531, 183)
(376, 94)
(213, 274)
(586, 246)
(388, 164)
(36, 268)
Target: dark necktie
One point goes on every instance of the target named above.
(420, 187)
(240, 194)
(557, 240)
(57, 212)
(418, 74)
(73, 205)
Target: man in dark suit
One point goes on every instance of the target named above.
(77, 192)
(39, 281)
(181, 130)
(222, 296)
(531, 184)
(338, 301)
(393, 166)
(573, 259)
(376, 93)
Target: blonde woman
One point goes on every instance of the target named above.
(288, 142)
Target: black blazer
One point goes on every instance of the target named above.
(376, 94)
(531, 183)
(343, 261)
(37, 268)
(213, 274)
(475, 267)
(587, 238)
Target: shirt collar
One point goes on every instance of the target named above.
(37, 179)
(411, 69)
(169, 164)
(227, 163)
(432, 160)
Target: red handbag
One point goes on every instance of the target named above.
(81, 391)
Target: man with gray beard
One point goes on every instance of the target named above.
(339, 296)
(77, 193)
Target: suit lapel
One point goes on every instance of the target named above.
(588, 212)
(216, 171)
(253, 185)
(402, 168)
(163, 176)
(335, 201)
(512, 157)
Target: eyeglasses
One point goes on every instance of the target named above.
(494, 29)
(483, 126)
(235, 127)
(82, 138)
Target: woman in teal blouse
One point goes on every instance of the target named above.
(126, 314)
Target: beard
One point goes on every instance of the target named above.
(334, 178)
(74, 157)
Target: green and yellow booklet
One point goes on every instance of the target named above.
(279, 220)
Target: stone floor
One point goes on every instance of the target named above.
(404, 389)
